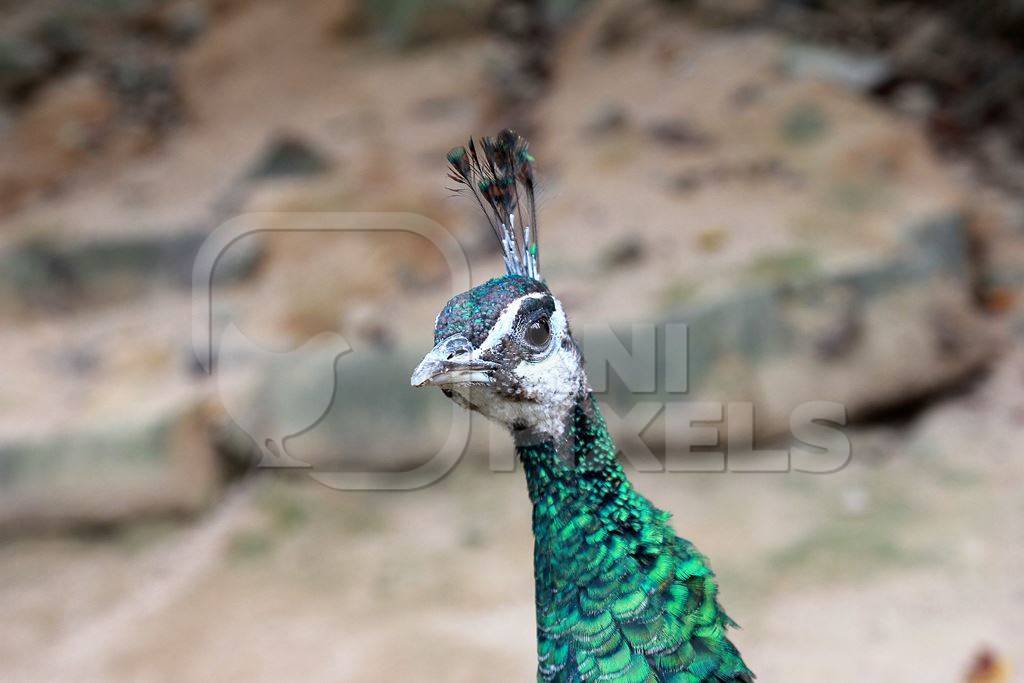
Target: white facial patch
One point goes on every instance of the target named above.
(553, 382)
(503, 325)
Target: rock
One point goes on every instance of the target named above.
(731, 12)
(53, 274)
(686, 182)
(63, 125)
(620, 25)
(611, 118)
(747, 94)
(917, 100)
(145, 455)
(862, 73)
(419, 22)
(626, 252)
(329, 407)
(988, 666)
(348, 19)
(147, 90)
(855, 501)
(803, 332)
(288, 155)
(712, 239)
(764, 170)
(804, 124)
(24, 66)
(847, 275)
(185, 21)
(64, 38)
(678, 133)
(996, 228)
(440, 107)
(69, 117)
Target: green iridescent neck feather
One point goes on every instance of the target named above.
(619, 596)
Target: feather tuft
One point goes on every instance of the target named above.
(500, 178)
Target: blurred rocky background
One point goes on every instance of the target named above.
(828, 193)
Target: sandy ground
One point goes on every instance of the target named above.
(902, 566)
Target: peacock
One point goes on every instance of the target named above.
(619, 596)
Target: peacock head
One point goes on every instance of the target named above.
(504, 348)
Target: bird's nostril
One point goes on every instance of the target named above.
(455, 346)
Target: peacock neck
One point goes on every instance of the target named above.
(585, 511)
(618, 595)
(580, 481)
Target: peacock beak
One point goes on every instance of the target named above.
(451, 362)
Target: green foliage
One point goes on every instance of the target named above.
(784, 266)
(145, 534)
(249, 545)
(855, 196)
(405, 23)
(678, 292)
(803, 124)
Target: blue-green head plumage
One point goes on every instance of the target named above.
(620, 597)
(475, 312)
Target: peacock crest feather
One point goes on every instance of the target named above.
(500, 178)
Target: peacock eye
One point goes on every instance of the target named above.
(538, 333)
